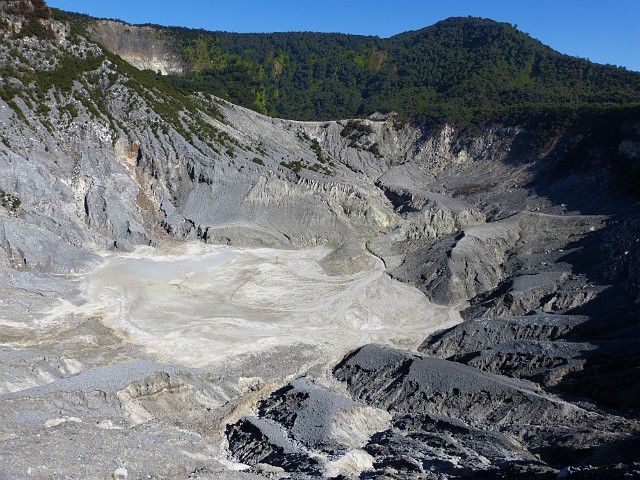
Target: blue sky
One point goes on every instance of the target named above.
(604, 31)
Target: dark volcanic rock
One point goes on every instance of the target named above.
(306, 429)
(493, 416)
(595, 357)
(520, 347)
(432, 443)
(543, 362)
(255, 440)
(482, 333)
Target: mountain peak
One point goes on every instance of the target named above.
(462, 69)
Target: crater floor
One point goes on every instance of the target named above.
(201, 305)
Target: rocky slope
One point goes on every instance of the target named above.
(531, 234)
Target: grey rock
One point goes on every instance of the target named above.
(105, 379)
(254, 440)
(303, 428)
(121, 474)
(408, 384)
(143, 47)
(483, 333)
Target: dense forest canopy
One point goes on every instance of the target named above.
(460, 69)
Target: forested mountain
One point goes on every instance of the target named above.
(462, 69)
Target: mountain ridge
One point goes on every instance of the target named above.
(462, 69)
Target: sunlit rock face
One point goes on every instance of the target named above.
(142, 47)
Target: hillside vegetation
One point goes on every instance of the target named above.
(460, 69)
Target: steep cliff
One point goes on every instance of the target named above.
(143, 47)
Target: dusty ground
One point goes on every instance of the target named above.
(201, 305)
(220, 308)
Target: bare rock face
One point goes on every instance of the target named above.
(521, 427)
(531, 347)
(143, 47)
(307, 429)
(506, 267)
(588, 356)
(256, 441)
(135, 414)
(546, 363)
(426, 446)
(484, 333)
(444, 387)
(448, 420)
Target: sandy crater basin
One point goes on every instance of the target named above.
(202, 304)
